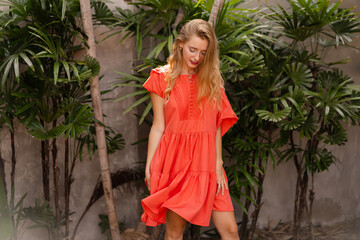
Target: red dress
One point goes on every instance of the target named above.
(183, 169)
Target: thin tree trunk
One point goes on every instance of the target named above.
(261, 177)
(314, 145)
(215, 11)
(86, 17)
(302, 200)
(45, 164)
(56, 185)
(46, 171)
(311, 201)
(72, 167)
(2, 173)
(67, 187)
(255, 214)
(299, 168)
(13, 164)
(179, 17)
(245, 217)
(13, 157)
(296, 207)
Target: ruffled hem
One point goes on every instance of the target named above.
(189, 194)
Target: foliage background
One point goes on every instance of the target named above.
(334, 188)
(112, 57)
(337, 194)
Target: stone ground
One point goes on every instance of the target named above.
(349, 230)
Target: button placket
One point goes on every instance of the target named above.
(191, 108)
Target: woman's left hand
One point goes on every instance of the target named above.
(221, 181)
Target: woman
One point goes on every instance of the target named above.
(184, 170)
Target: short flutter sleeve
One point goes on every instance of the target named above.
(226, 117)
(156, 82)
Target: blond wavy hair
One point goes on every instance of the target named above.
(209, 80)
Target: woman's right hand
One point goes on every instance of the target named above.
(147, 178)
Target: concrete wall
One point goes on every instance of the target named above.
(337, 194)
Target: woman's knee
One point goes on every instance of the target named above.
(233, 232)
(175, 226)
(174, 234)
(230, 235)
(229, 232)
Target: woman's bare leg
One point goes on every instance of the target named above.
(226, 225)
(175, 226)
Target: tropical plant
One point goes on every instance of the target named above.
(13, 216)
(279, 89)
(315, 99)
(45, 87)
(6, 225)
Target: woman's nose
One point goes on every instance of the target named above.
(197, 56)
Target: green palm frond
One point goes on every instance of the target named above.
(319, 13)
(102, 13)
(292, 124)
(335, 134)
(41, 214)
(300, 74)
(114, 141)
(309, 127)
(14, 61)
(276, 116)
(346, 27)
(334, 99)
(37, 130)
(289, 153)
(93, 64)
(322, 159)
(281, 141)
(78, 121)
(294, 25)
(247, 144)
(297, 98)
(140, 92)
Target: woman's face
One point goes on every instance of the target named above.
(193, 53)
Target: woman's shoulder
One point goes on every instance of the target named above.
(162, 69)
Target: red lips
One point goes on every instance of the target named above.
(194, 63)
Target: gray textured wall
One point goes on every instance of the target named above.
(337, 194)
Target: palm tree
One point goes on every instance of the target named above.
(316, 98)
(217, 6)
(279, 89)
(86, 17)
(44, 87)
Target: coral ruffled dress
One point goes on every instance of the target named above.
(183, 169)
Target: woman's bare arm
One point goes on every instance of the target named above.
(156, 131)
(221, 182)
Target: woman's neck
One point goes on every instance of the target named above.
(188, 71)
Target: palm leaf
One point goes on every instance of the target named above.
(299, 74)
(309, 127)
(273, 116)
